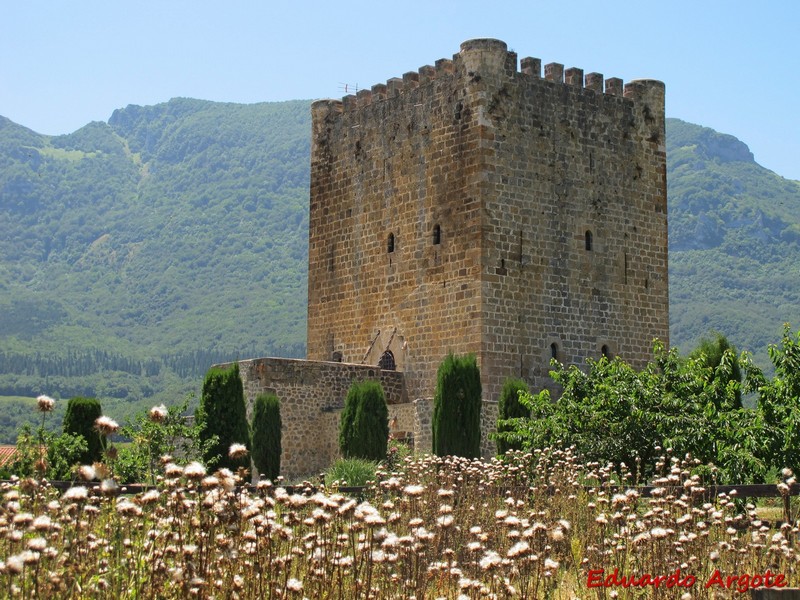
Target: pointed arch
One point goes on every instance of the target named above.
(387, 362)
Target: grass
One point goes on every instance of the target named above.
(26, 399)
(351, 472)
(63, 154)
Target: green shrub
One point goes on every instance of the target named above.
(457, 408)
(396, 454)
(712, 352)
(347, 419)
(79, 420)
(153, 434)
(364, 424)
(45, 454)
(351, 472)
(222, 417)
(266, 427)
(509, 407)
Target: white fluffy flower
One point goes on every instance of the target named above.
(45, 403)
(76, 493)
(158, 413)
(106, 425)
(294, 585)
(194, 470)
(237, 451)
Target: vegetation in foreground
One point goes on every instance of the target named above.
(437, 527)
(545, 523)
(612, 413)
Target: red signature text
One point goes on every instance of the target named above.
(742, 582)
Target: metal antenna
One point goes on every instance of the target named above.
(348, 88)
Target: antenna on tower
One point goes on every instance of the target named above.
(348, 88)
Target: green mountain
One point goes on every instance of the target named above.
(734, 230)
(135, 253)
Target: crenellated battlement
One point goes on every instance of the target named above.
(484, 56)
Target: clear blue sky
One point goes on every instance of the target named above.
(730, 65)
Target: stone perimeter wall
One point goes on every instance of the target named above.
(312, 395)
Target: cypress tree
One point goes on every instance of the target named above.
(364, 424)
(457, 408)
(347, 419)
(222, 413)
(509, 407)
(79, 419)
(371, 425)
(266, 429)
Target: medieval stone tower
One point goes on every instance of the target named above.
(475, 207)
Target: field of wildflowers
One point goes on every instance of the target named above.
(536, 525)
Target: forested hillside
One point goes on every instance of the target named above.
(734, 230)
(135, 253)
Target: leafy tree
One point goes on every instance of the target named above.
(266, 427)
(615, 414)
(79, 420)
(45, 454)
(457, 408)
(779, 401)
(371, 425)
(155, 433)
(364, 423)
(509, 407)
(711, 351)
(347, 420)
(222, 417)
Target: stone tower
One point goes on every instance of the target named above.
(475, 207)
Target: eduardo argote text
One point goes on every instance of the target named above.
(741, 582)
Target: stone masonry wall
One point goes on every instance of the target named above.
(388, 168)
(312, 396)
(574, 236)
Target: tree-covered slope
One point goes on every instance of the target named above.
(135, 253)
(734, 230)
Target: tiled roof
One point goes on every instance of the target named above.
(7, 452)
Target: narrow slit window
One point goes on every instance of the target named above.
(606, 351)
(588, 240)
(390, 244)
(437, 235)
(554, 350)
